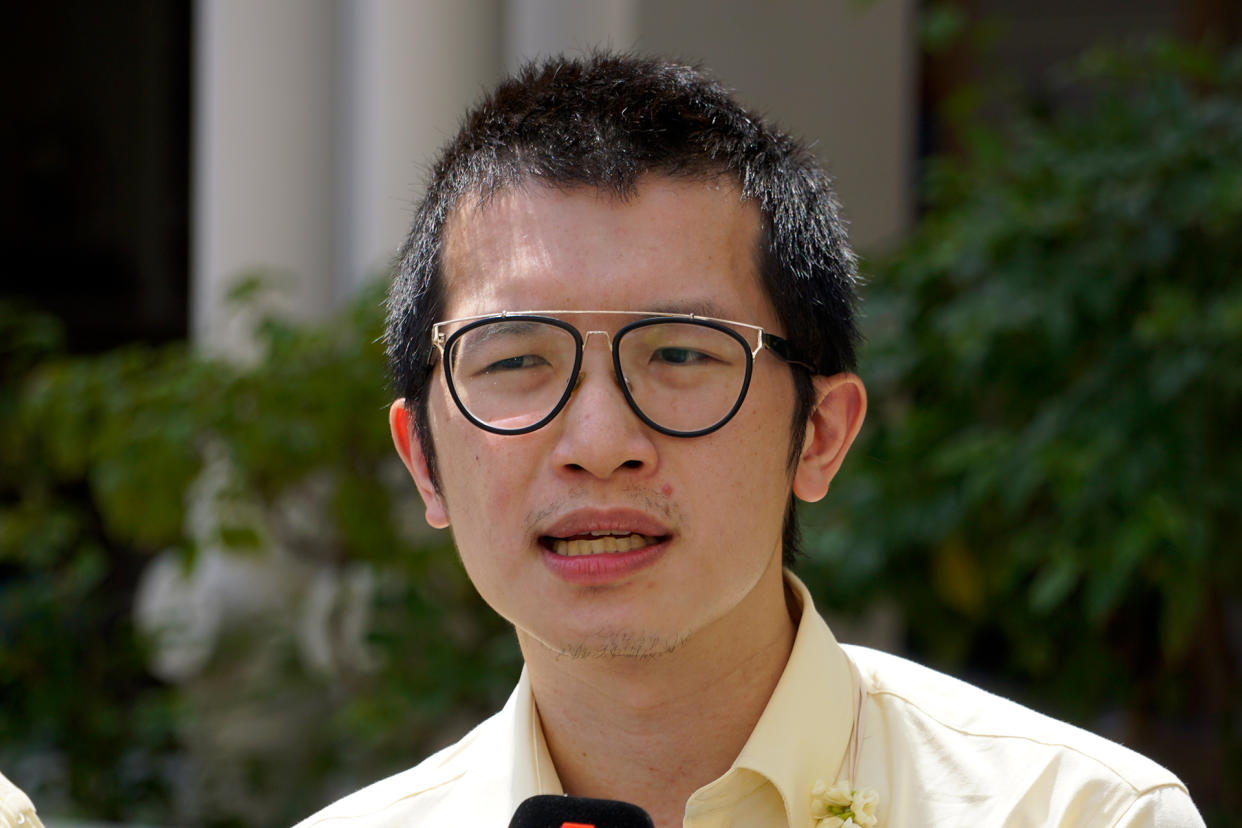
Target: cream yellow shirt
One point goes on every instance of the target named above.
(16, 809)
(935, 750)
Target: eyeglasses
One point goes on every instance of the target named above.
(683, 375)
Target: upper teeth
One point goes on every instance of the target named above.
(605, 542)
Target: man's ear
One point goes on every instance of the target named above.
(840, 406)
(411, 452)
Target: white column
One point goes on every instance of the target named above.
(263, 148)
(538, 28)
(410, 69)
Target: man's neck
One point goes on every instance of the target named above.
(652, 730)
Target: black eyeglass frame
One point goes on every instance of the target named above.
(780, 347)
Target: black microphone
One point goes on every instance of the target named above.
(578, 812)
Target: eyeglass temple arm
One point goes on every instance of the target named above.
(783, 349)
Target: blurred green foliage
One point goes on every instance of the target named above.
(65, 592)
(1048, 488)
(98, 456)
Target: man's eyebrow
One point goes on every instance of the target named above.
(506, 327)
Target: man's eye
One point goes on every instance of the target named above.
(515, 363)
(679, 356)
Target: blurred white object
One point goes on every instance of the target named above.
(16, 809)
(285, 586)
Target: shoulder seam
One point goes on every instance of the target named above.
(388, 804)
(1140, 794)
(1116, 773)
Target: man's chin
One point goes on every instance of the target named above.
(615, 645)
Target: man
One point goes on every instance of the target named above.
(623, 335)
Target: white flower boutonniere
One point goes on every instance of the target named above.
(839, 806)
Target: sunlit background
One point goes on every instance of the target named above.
(217, 604)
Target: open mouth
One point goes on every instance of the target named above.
(598, 543)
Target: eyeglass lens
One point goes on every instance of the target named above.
(510, 374)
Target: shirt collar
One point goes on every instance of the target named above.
(533, 771)
(804, 732)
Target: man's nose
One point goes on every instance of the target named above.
(600, 434)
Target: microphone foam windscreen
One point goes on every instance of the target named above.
(576, 811)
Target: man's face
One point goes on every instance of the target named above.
(705, 512)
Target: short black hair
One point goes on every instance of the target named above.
(604, 121)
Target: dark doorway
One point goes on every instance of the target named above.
(94, 182)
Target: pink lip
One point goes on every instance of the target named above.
(609, 568)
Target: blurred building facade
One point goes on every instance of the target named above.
(156, 150)
(314, 120)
